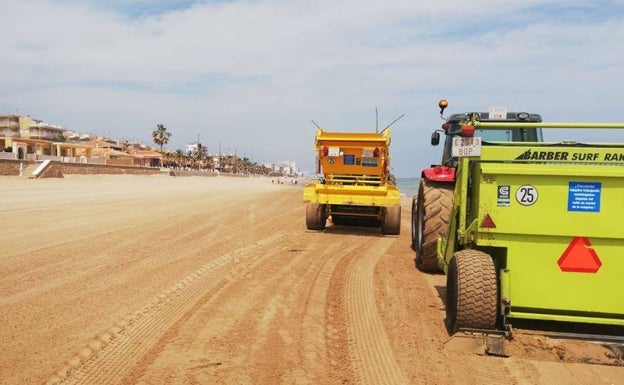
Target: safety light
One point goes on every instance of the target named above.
(376, 152)
(445, 126)
(325, 151)
(442, 104)
(467, 130)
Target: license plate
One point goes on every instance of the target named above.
(466, 146)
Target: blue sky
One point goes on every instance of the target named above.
(251, 75)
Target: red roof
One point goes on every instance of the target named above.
(147, 154)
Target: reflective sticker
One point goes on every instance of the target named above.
(526, 195)
(579, 257)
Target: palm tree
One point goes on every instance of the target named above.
(180, 157)
(169, 159)
(161, 136)
(200, 154)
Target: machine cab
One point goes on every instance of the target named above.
(452, 127)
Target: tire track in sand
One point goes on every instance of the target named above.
(371, 352)
(112, 356)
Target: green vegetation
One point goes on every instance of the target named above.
(201, 160)
(161, 136)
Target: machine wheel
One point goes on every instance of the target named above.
(315, 216)
(433, 210)
(471, 291)
(391, 220)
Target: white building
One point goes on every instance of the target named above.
(285, 167)
(191, 148)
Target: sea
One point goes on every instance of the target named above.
(408, 186)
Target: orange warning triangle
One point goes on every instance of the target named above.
(579, 257)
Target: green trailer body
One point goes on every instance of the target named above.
(550, 217)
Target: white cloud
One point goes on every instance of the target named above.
(251, 75)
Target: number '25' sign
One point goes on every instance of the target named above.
(526, 195)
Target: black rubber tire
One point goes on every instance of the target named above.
(315, 216)
(391, 220)
(433, 211)
(414, 218)
(471, 292)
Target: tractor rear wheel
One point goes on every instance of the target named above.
(391, 220)
(471, 291)
(315, 216)
(433, 210)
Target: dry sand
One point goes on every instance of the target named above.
(161, 280)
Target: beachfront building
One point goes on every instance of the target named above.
(191, 148)
(147, 158)
(22, 137)
(25, 138)
(285, 168)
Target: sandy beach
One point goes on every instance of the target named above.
(162, 280)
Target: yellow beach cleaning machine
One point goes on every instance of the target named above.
(355, 186)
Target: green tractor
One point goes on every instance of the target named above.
(432, 206)
(534, 229)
